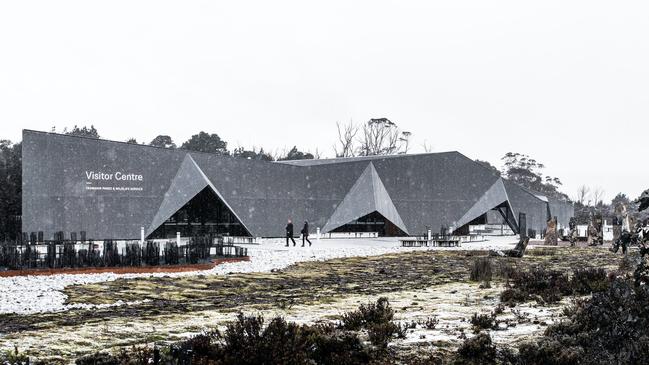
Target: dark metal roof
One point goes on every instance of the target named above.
(326, 161)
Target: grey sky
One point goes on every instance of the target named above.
(565, 82)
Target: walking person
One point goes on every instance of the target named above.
(305, 233)
(289, 232)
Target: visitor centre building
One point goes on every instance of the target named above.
(117, 190)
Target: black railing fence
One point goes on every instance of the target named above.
(31, 252)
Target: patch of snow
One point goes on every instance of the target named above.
(41, 294)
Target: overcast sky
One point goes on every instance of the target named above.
(566, 82)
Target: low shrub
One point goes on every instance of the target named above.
(551, 286)
(376, 318)
(249, 340)
(499, 309)
(429, 323)
(136, 355)
(380, 334)
(549, 352)
(477, 350)
(627, 263)
(331, 346)
(100, 358)
(246, 341)
(368, 314)
(482, 322)
(512, 296)
(609, 328)
(202, 345)
(590, 280)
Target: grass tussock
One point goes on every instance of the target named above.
(481, 270)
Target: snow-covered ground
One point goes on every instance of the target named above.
(34, 294)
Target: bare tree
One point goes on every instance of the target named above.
(598, 194)
(582, 194)
(382, 137)
(278, 153)
(405, 141)
(346, 144)
(428, 148)
(317, 154)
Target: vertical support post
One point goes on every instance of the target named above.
(522, 225)
(318, 234)
(430, 234)
(178, 238)
(141, 235)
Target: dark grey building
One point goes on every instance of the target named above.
(111, 190)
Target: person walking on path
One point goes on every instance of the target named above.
(305, 233)
(289, 233)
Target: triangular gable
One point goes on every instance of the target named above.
(493, 197)
(383, 203)
(188, 182)
(367, 195)
(218, 193)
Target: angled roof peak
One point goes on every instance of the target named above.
(188, 182)
(494, 196)
(367, 195)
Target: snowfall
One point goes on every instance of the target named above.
(42, 294)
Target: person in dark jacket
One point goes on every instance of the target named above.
(289, 233)
(305, 233)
